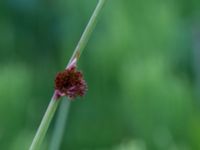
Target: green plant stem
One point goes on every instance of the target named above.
(88, 30)
(61, 121)
(46, 120)
(41, 132)
(63, 114)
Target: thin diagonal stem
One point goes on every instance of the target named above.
(41, 132)
(88, 30)
(63, 114)
(60, 125)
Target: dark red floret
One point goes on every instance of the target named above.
(70, 82)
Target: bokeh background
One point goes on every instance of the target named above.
(142, 66)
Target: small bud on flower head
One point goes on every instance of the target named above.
(70, 83)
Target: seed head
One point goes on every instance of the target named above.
(70, 83)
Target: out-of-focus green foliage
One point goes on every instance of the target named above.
(139, 65)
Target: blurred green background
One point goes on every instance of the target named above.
(141, 65)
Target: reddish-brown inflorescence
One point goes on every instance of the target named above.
(70, 83)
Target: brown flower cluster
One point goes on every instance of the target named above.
(70, 83)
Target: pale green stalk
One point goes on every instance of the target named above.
(59, 128)
(63, 114)
(88, 30)
(41, 132)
